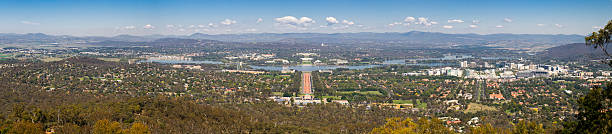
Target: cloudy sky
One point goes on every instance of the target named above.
(180, 17)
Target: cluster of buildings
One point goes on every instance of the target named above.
(252, 56)
(304, 100)
(170, 57)
(306, 54)
(94, 53)
(465, 64)
(26, 51)
(303, 58)
(273, 61)
(493, 71)
(266, 58)
(244, 71)
(445, 71)
(339, 61)
(308, 58)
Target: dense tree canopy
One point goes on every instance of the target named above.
(406, 126)
(601, 39)
(594, 115)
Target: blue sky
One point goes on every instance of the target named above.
(180, 17)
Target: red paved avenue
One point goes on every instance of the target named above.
(306, 84)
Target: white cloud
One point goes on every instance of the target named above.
(125, 27)
(597, 27)
(170, 26)
(455, 21)
(347, 22)
(394, 23)
(331, 20)
(409, 19)
(475, 21)
(201, 26)
(294, 22)
(558, 25)
(473, 26)
(417, 21)
(499, 26)
(129, 27)
(341, 27)
(212, 25)
(507, 20)
(228, 22)
(29, 22)
(148, 26)
(251, 30)
(421, 19)
(541, 25)
(447, 26)
(425, 21)
(259, 20)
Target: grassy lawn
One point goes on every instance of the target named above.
(402, 101)
(109, 59)
(475, 107)
(333, 97)
(364, 93)
(418, 105)
(51, 59)
(307, 62)
(275, 76)
(421, 105)
(5, 55)
(564, 82)
(283, 76)
(277, 93)
(372, 93)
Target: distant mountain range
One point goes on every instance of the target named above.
(411, 39)
(574, 50)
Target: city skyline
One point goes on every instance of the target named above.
(110, 18)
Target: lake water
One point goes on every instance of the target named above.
(311, 67)
(182, 61)
(403, 62)
(497, 58)
(307, 67)
(331, 67)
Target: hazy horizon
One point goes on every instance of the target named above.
(111, 18)
(305, 66)
(274, 33)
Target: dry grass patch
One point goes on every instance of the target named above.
(475, 107)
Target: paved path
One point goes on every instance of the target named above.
(306, 84)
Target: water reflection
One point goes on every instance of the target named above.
(181, 61)
(403, 62)
(311, 68)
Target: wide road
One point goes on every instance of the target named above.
(306, 83)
